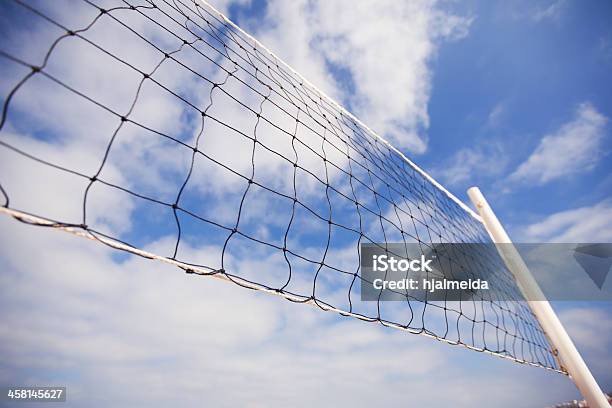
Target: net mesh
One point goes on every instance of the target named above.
(162, 129)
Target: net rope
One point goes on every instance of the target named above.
(267, 167)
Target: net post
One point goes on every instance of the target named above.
(562, 344)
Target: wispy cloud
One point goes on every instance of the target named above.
(574, 148)
(590, 328)
(584, 224)
(550, 12)
(496, 114)
(586, 324)
(470, 164)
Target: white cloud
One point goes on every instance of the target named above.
(551, 12)
(140, 323)
(124, 333)
(59, 195)
(386, 48)
(471, 164)
(585, 325)
(574, 148)
(224, 5)
(584, 224)
(496, 114)
(589, 327)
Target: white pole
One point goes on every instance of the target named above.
(561, 341)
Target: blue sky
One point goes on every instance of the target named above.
(511, 97)
(533, 72)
